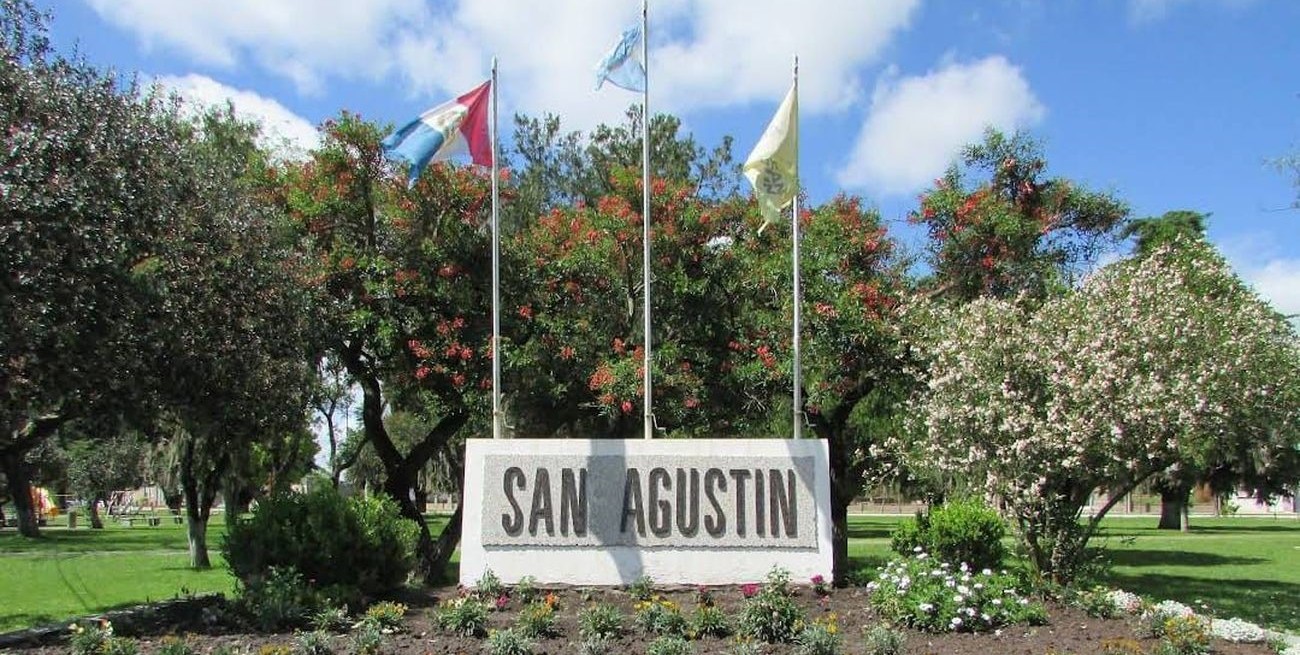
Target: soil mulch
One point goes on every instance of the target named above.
(1069, 631)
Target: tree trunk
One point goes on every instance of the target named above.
(197, 532)
(20, 489)
(1173, 508)
(440, 555)
(96, 522)
(229, 498)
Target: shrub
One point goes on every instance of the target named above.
(367, 640)
(594, 646)
(360, 544)
(464, 616)
(172, 645)
(771, 615)
(882, 640)
(121, 646)
(642, 588)
(959, 531)
(1151, 623)
(821, 637)
(1184, 635)
(660, 617)
(935, 596)
(315, 642)
(387, 616)
(330, 619)
(509, 642)
(278, 600)
(537, 620)
(1096, 602)
(670, 645)
(526, 589)
(603, 621)
(710, 621)
(489, 587)
(89, 638)
(743, 645)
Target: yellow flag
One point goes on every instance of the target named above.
(773, 166)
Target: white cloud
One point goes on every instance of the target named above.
(282, 129)
(1146, 11)
(703, 52)
(1278, 281)
(917, 125)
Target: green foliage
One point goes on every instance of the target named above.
(386, 615)
(710, 621)
(121, 646)
(537, 620)
(465, 616)
(642, 588)
(278, 600)
(90, 638)
(173, 645)
(1184, 635)
(659, 616)
(743, 645)
(772, 615)
(670, 645)
(821, 637)
(594, 646)
(359, 543)
(367, 639)
(1096, 601)
(600, 621)
(525, 590)
(315, 642)
(882, 640)
(489, 587)
(933, 596)
(330, 619)
(509, 642)
(957, 531)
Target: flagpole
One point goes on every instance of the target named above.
(645, 213)
(798, 295)
(497, 418)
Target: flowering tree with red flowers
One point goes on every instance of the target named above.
(997, 227)
(406, 275)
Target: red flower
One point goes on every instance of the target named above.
(626, 407)
(566, 352)
(421, 372)
(526, 312)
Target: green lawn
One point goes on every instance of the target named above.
(1239, 567)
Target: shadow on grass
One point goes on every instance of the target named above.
(1138, 557)
(1266, 602)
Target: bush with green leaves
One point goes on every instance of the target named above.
(771, 614)
(882, 640)
(278, 600)
(526, 589)
(537, 620)
(642, 588)
(710, 621)
(1184, 635)
(367, 640)
(600, 621)
(934, 596)
(821, 637)
(122, 646)
(743, 645)
(316, 642)
(489, 587)
(386, 615)
(173, 645)
(670, 645)
(330, 619)
(660, 617)
(509, 642)
(361, 544)
(96, 638)
(1097, 602)
(594, 646)
(957, 531)
(466, 616)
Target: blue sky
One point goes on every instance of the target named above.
(1169, 104)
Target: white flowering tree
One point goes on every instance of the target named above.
(1153, 362)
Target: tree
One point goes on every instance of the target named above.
(1153, 232)
(403, 277)
(1153, 362)
(98, 467)
(332, 396)
(91, 174)
(231, 328)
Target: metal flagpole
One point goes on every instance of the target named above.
(498, 420)
(645, 211)
(798, 295)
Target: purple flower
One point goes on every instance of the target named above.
(749, 590)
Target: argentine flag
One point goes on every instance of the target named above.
(621, 65)
(455, 127)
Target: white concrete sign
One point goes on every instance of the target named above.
(604, 512)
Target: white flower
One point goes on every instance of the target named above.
(958, 598)
(955, 622)
(922, 556)
(963, 589)
(986, 572)
(979, 585)
(918, 549)
(986, 618)
(970, 611)
(996, 601)
(950, 584)
(926, 607)
(964, 567)
(1238, 631)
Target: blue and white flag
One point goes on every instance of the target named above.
(456, 126)
(622, 66)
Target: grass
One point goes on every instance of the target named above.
(1237, 567)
